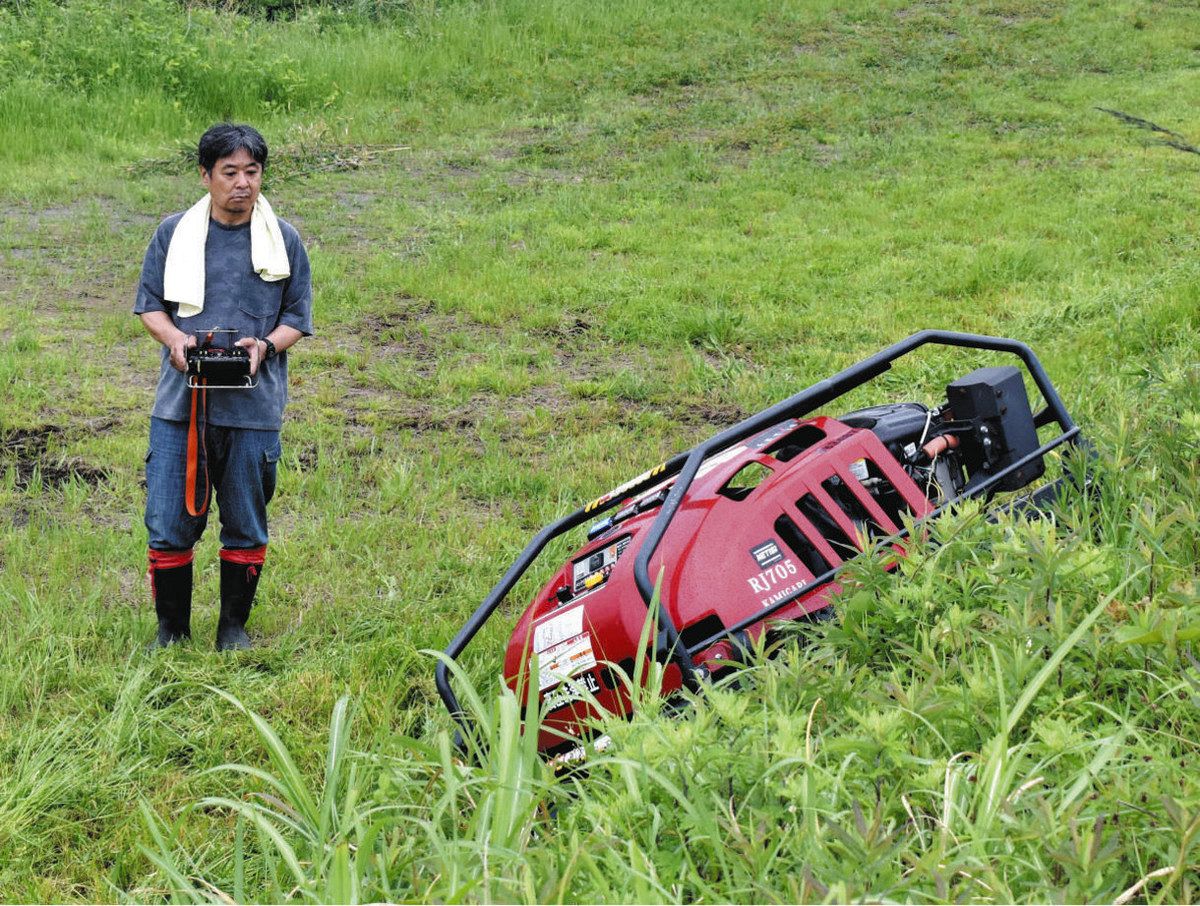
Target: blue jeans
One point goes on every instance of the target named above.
(241, 469)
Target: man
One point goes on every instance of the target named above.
(228, 262)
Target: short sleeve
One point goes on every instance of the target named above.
(150, 286)
(296, 311)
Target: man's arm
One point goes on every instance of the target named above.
(282, 336)
(162, 328)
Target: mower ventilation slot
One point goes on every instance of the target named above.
(796, 442)
(843, 495)
(843, 546)
(801, 546)
(700, 630)
(890, 500)
(745, 480)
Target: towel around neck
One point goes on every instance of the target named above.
(183, 272)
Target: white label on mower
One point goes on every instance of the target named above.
(770, 579)
(559, 627)
(564, 660)
(782, 593)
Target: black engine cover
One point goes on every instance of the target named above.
(896, 424)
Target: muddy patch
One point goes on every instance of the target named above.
(26, 453)
(711, 417)
(715, 414)
(407, 310)
(507, 416)
(308, 457)
(505, 413)
(568, 329)
(515, 143)
(413, 332)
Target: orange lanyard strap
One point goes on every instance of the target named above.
(195, 495)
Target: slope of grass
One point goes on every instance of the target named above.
(554, 242)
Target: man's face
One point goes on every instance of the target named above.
(234, 184)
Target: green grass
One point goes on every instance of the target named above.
(553, 243)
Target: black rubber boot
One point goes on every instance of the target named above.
(172, 590)
(238, 583)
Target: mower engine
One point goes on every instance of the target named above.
(752, 526)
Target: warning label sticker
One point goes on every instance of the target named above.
(557, 628)
(564, 660)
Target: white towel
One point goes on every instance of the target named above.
(183, 273)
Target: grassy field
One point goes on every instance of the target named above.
(554, 242)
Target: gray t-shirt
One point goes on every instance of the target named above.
(234, 297)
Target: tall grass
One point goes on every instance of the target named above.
(427, 825)
(946, 739)
(127, 79)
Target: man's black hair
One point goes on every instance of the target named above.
(225, 139)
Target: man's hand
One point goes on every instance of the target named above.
(179, 346)
(178, 342)
(256, 348)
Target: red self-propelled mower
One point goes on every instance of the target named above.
(753, 526)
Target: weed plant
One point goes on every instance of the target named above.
(608, 230)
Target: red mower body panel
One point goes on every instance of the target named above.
(761, 521)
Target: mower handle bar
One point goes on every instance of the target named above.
(687, 464)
